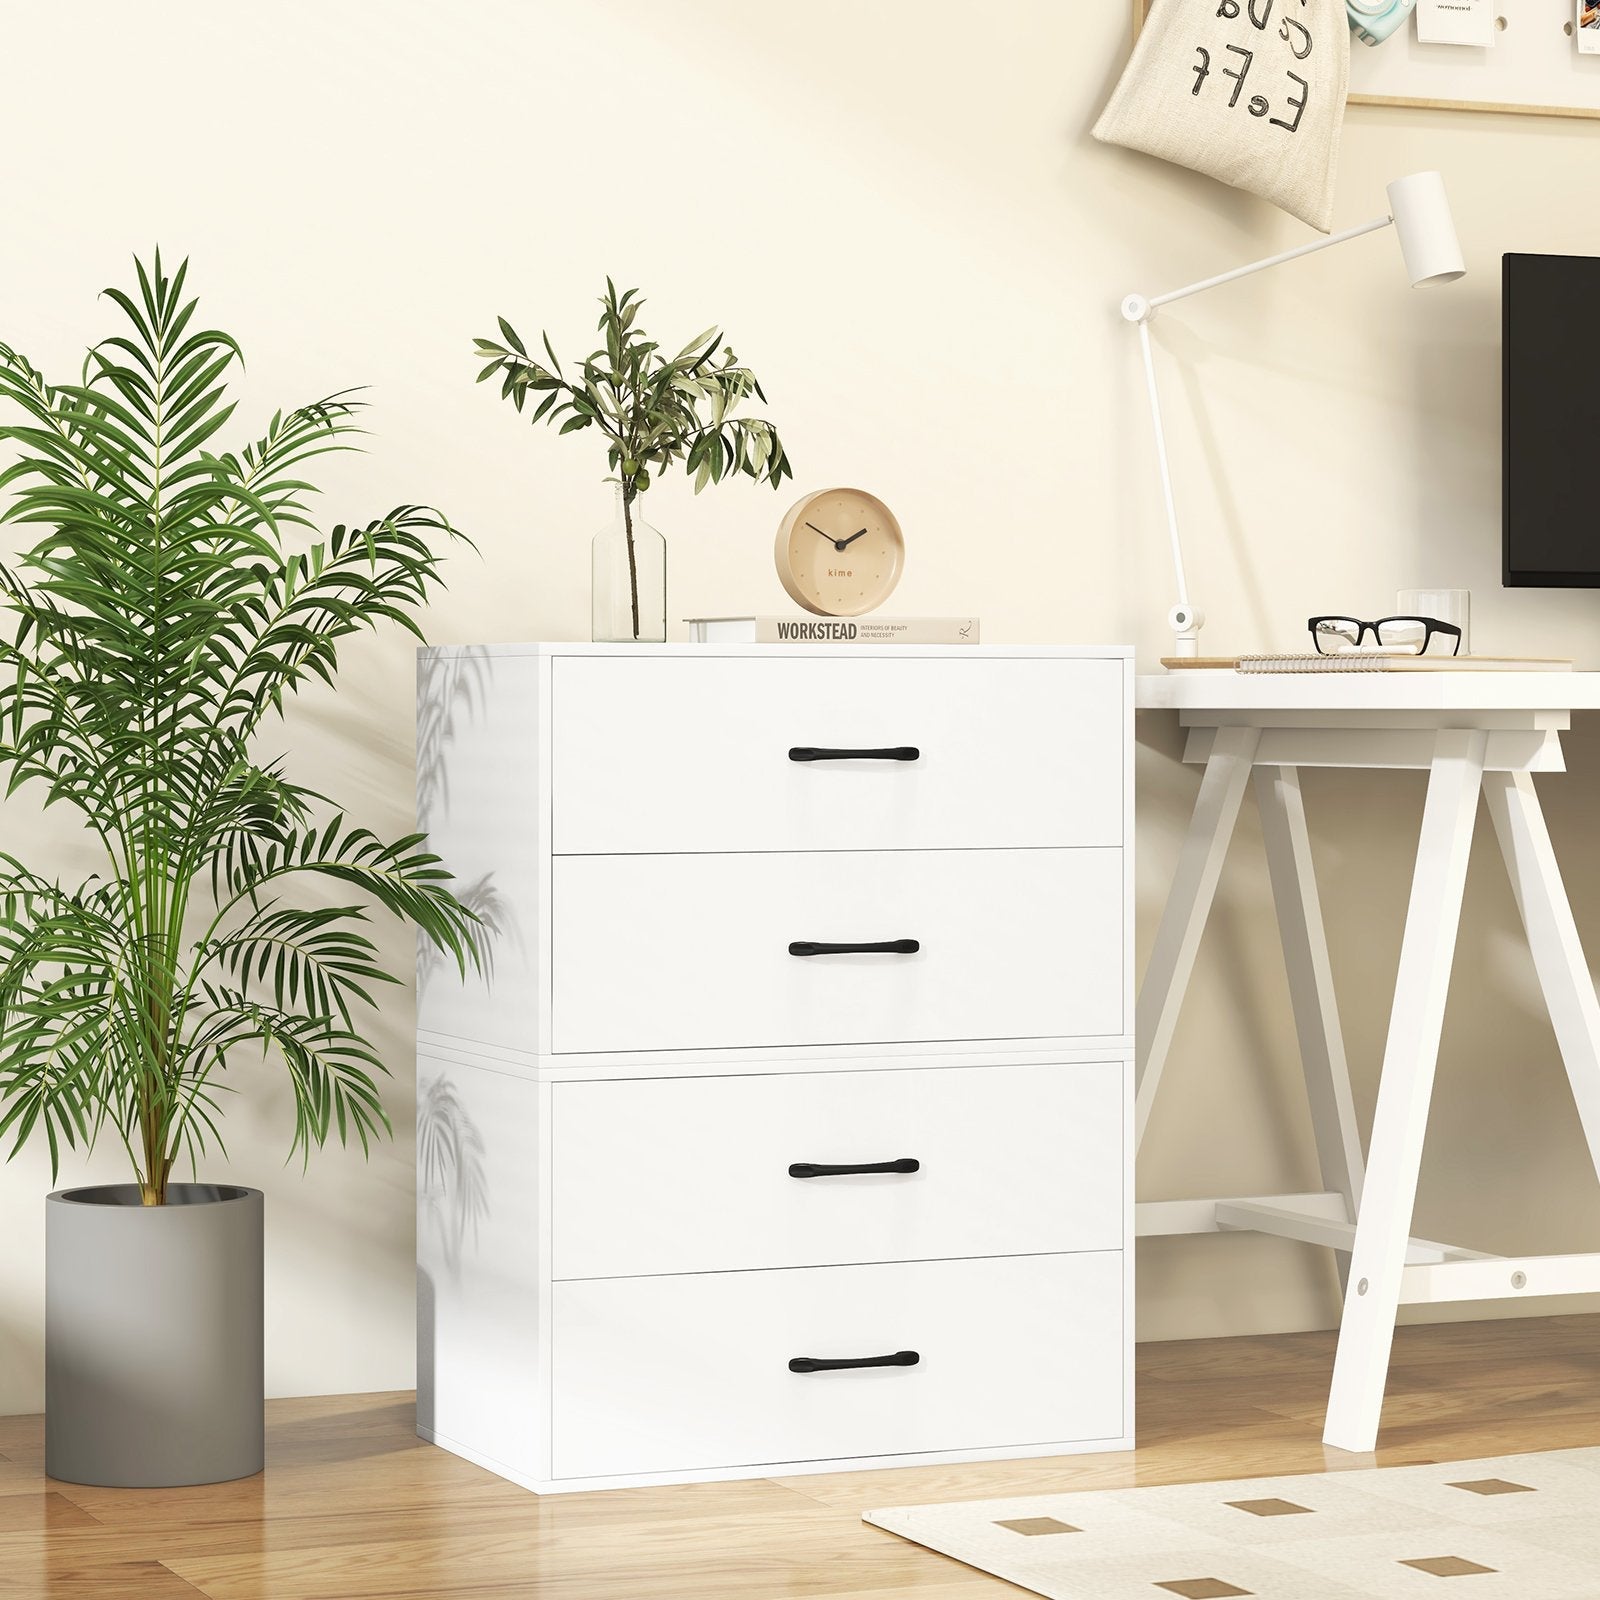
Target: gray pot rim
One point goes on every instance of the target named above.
(125, 1196)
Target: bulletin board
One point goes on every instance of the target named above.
(1534, 68)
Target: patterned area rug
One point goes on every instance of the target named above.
(1519, 1527)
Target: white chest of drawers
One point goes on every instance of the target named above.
(634, 1264)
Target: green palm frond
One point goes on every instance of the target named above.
(311, 957)
(333, 1070)
(175, 596)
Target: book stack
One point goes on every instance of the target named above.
(833, 630)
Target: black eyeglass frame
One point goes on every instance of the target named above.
(1430, 625)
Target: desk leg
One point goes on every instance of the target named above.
(1216, 810)
(1366, 1333)
(1569, 991)
(1305, 959)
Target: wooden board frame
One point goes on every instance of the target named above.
(1589, 113)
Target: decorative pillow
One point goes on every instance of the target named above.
(1250, 92)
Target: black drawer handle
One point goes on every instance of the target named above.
(885, 947)
(901, 1358)
(821, 1169)
(898, 752)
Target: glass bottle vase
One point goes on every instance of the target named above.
(630, 579)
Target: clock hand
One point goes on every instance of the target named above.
(838, 544)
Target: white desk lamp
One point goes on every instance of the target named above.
(1420, 212)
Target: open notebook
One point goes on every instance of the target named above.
(1394, 661)
(1366, 661)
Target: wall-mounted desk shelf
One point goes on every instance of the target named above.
(1534, 68)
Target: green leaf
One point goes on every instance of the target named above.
(173, 600)
(511, 337)
(652, 410)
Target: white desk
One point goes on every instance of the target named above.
(1469, 731)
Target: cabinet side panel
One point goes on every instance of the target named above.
(480, 801)
(478, 1375)
(1129, 1002)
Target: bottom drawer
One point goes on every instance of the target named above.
(681, 1373)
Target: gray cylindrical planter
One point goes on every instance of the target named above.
(153, 1335)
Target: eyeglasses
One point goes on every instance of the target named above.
(1413, 635)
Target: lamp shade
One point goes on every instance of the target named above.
(1421, 212)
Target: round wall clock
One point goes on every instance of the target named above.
(839, 552)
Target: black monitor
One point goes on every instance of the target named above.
(1551, 393)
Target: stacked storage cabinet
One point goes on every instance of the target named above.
(787, 1126)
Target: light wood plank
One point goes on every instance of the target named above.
(45, 1573)
(36, 1513)
(353, 1504)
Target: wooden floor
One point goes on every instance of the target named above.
(353, 1504)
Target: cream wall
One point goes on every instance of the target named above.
(897, 213)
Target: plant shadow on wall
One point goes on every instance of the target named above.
(452, 1173)
(175, 601)
(452, 688)
(654, 411)
(452, 1176)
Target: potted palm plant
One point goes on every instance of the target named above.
(173, 600)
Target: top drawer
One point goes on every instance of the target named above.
(665, 754)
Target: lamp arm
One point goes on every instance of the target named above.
(1270, 261)
(1161, 457)
(1184, 619)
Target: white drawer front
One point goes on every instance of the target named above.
(664, 1374)
(693, 952)
(692, 1174)
(661, 755)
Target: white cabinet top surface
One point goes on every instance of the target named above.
(832, 651)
